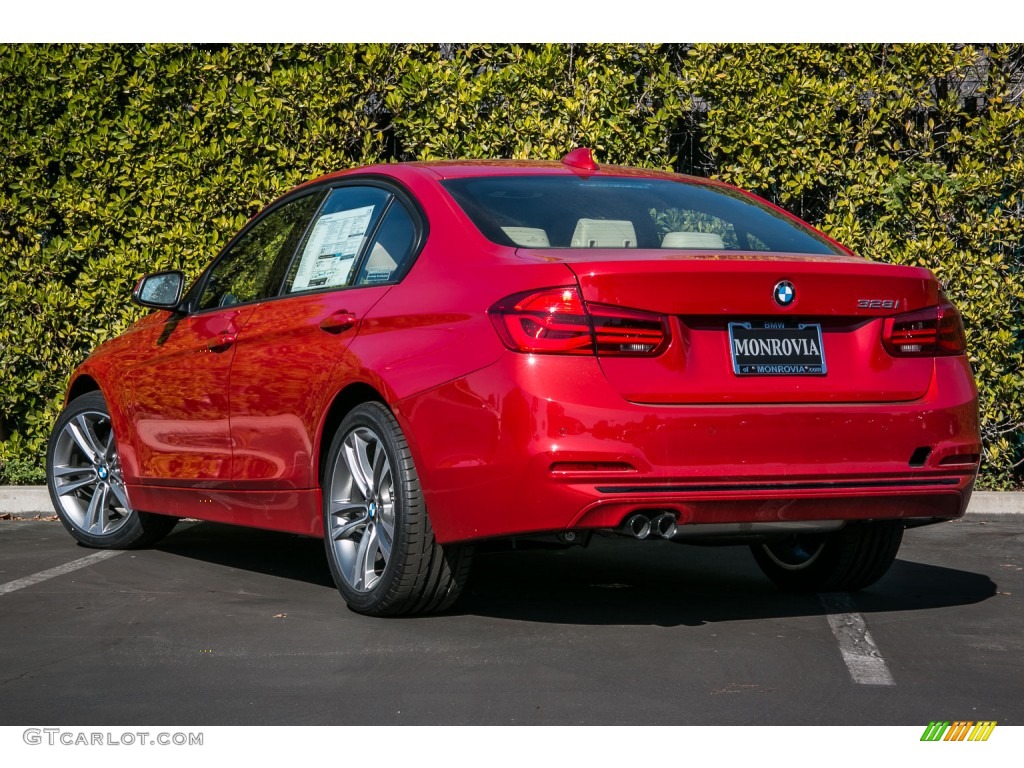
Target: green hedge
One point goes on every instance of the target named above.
(119, 160)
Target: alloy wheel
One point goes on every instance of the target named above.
(361, 512)
(87, 476)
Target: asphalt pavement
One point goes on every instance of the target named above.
(223, 626)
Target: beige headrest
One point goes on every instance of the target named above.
(528, 237)
(706, 240)
(604, 233)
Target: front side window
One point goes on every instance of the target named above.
(626, 212)
(253, 268)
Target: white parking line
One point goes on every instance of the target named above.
(862, 657)
(60, 570)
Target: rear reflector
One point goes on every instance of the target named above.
(555, 321)
(932, 332)
(961, 458)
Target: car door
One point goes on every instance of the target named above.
(290, 351)
(180, 407)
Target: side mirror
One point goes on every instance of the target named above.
(161, 290)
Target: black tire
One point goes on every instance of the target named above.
(415, 574)
(86, 488)
(851, 558)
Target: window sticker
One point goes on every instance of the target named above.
(330, 252)
(379, 275)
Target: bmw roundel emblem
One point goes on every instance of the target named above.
(784, 293)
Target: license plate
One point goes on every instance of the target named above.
(771, 348)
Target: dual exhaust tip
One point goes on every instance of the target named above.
(641, 526)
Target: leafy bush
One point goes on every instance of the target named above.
(120, 160)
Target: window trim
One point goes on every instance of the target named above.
(397, 191)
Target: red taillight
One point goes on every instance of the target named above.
(931, 332)
(552, 320)
(555, 321)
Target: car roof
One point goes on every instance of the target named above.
(409, 173)
(458, 169)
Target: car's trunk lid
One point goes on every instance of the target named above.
(721, 306)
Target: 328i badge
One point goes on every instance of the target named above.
(409, 359)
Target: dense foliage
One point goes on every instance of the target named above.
(120, 160)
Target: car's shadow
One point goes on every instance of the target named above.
(667, 584)
(284, 555)
(613, 581)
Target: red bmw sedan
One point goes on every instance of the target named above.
(408, 359)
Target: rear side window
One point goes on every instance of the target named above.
(613, 212)
(328, 254)
(391, 247)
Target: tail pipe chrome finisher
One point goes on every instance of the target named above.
(639, 526)
(665, 525)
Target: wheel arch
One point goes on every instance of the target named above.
(116, 392)
(344, 401)
(80, 385)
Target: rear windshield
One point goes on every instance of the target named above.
(610, 212)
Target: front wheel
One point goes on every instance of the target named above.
(83, 475)
(379, 543)
(852, 558)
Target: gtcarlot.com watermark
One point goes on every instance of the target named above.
(54, 737)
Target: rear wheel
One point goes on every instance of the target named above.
(380, 546)
(851, 558)
(83, 475)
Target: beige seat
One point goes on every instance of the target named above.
(604, 233)
(704, 240)
(528, 237)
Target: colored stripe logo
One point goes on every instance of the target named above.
(959, 730)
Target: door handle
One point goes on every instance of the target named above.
(338, 322)
(221, 343)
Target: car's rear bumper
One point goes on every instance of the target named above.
(543, 444)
